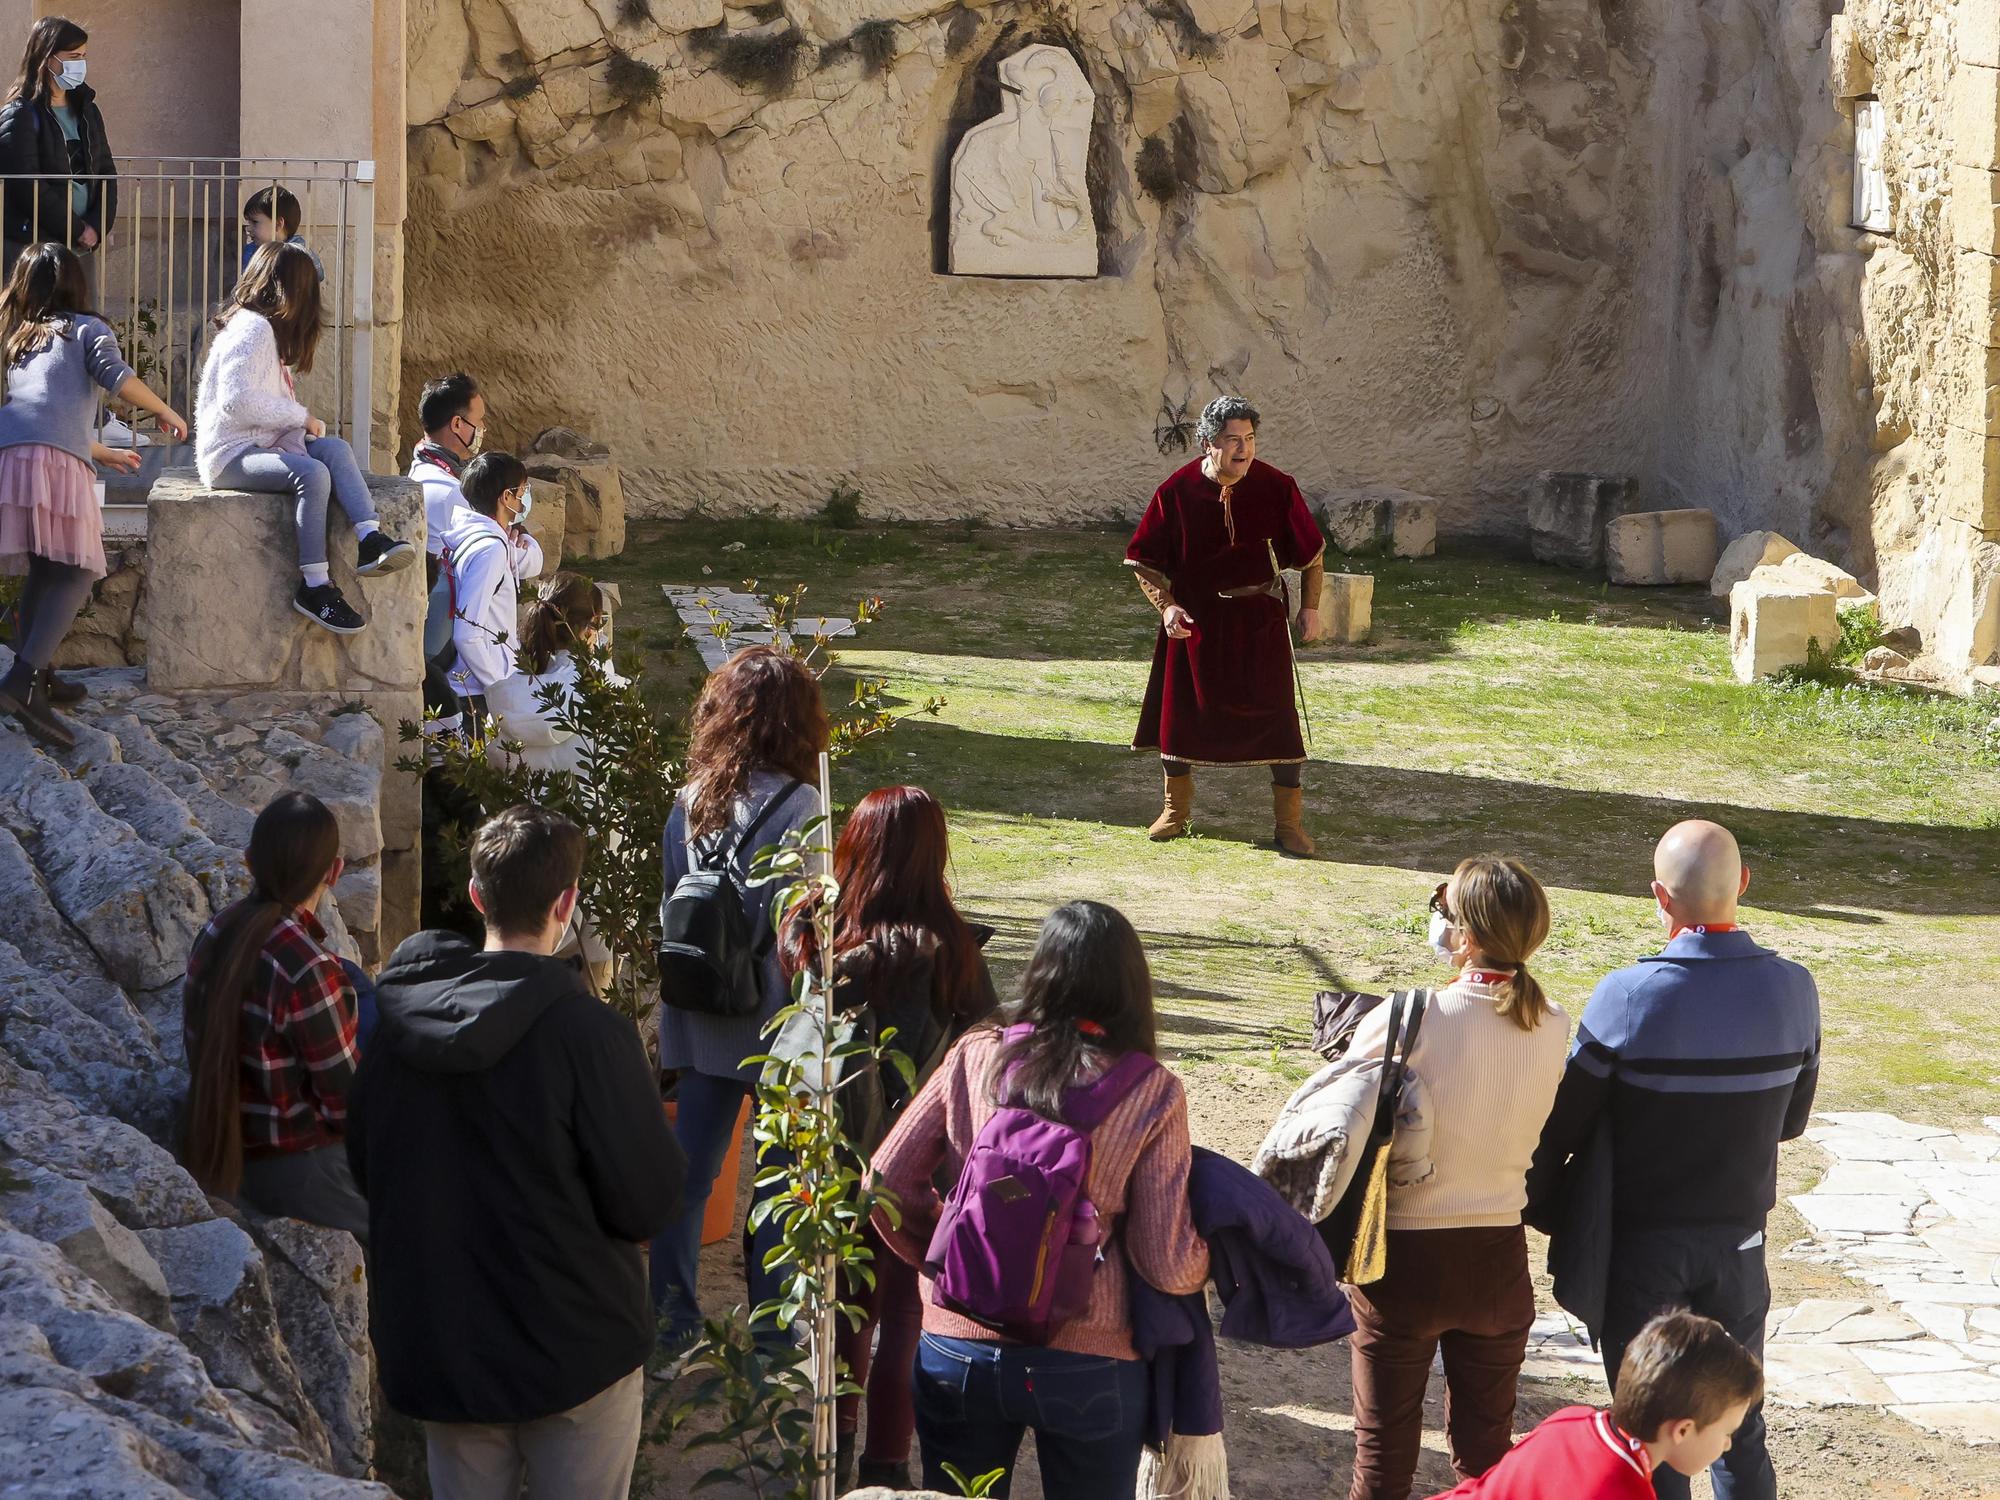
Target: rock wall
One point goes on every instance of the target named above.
(1821, 371)
(1423, 235)
(154, 1341)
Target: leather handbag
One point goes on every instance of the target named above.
(1357, 1231)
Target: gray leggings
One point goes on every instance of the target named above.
(51, 598)
(327, 467)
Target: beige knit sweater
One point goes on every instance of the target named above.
(1139, 1160)
(1488, 1086)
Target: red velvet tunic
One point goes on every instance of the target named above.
(1224, 695)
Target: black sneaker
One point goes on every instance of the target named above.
(325, 607)
(381, 553)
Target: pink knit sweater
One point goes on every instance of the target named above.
(1139, 1159)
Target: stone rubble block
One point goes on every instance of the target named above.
(63, 1212)
(1413, 527)
(1801, 570)
(1744, 556)
(591, 497)
(1380, 518)
(223, 1307)
(1770, 627)
(42, 1029)
(1567, 514)
(1347, 605)
(1658, 547)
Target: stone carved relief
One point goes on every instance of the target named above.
(1019, 206)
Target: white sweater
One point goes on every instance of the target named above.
(243, 401)
(1488, 1087)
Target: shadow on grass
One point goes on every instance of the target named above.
(1842, 869)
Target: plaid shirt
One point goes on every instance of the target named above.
(298, 1048)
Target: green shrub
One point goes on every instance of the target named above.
(843, 508)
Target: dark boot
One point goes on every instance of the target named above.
(61, 689)
(876, 1473)
(21, 696)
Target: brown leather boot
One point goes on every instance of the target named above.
(1288, 803)
(21, 696)
(61, 689)
(1173, 819)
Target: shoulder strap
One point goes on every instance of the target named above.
(1086, 1107)
(1396, 1059)
(764, 814)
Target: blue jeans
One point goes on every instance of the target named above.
(975, 1399)
(327, 467)
(1708, 1270)
(705, 1121)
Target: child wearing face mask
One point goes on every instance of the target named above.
(483, 578)
(562, 623)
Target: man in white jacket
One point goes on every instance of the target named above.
(453, 414)
(479, 552)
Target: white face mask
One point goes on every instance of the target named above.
(1439, 936)
(1666, 917)
(72, 73)
(527, 504)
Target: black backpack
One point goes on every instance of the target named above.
(708, 955)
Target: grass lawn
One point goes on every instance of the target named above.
(1502, 706)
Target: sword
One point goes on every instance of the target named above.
(1298, 682)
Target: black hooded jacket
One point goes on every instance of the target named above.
(32, 140)
(509, 1137)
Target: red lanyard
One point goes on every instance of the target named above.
(1701, 928)
(1486, 976)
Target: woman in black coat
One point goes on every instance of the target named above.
(50, 124)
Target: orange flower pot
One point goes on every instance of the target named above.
(718, 1220)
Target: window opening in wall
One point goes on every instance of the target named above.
(1871, 183)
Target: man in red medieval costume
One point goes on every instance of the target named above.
(1208, 553)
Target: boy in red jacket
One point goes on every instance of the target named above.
(1683, 1389)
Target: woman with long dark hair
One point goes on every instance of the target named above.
(902, 950)
(269, 1016)
(1086, 1004)
(751, 778)
(52, 132)
(252, 433)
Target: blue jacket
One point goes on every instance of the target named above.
(1276, 1281)
(1704, 1057)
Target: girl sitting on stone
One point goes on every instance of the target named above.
(269, 1016)
(251, 433)
(59, 355)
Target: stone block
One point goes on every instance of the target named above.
(1413, 527)
(1975, 115)
(1744, 556)
(104, 634)
(593, 501)
(63, 1212)
(1979, 34)
(1801, 571)
(1770, 627)
(359, 894)
(1661, 547)
(1567, 515)
(1355, 523)
(1972, 478)
(548, 523)
(228, 621)
(1975, 208)
(1347, 609)
(1979, 289)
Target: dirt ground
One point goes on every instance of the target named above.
(1288, 1412)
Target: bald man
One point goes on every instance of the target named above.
(1689, 1068)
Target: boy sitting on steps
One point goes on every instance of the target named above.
(1683, 1389)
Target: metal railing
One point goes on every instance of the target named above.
(175, 250)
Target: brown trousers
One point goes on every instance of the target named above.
(1468, 1292)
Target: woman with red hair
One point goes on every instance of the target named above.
(902, 950)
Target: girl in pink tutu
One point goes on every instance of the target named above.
(59, 355)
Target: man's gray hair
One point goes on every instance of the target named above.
(1218, 414)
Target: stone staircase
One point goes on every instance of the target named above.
(156, 1341)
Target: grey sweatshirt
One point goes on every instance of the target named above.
(49, 399)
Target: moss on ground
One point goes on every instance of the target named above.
(1503, 706)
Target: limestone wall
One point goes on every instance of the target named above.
(1828, 382)
(1420, 234)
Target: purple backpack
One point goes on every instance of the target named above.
(1018, 1242)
